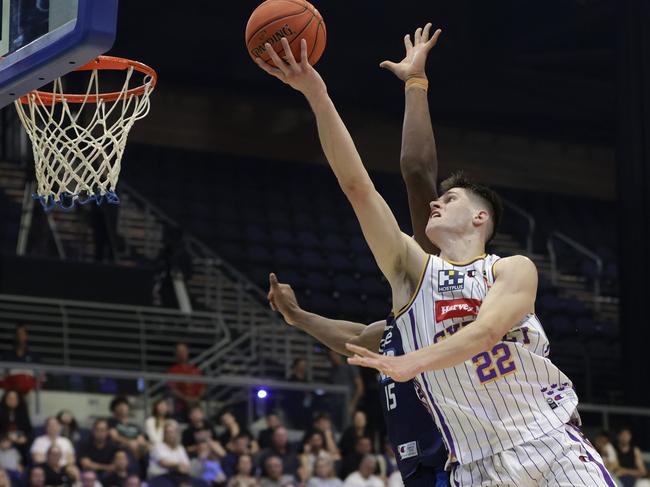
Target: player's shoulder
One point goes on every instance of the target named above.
(514, 263)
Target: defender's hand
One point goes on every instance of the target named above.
(414, 64)
(400, 369)
(300, 76)
(282, 298)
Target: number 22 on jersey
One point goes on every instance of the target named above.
(493, 365)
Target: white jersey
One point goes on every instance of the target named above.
(500, 398)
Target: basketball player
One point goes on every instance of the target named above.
(471, 336)
(413, 435)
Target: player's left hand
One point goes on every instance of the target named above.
(414, 64)
(400, 369)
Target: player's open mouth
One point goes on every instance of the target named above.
(435, 214)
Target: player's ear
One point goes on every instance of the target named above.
(481, 217)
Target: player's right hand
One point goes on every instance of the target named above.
(414, 64)
(300, 76)
(282, 298)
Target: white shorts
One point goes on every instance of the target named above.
(562, 458)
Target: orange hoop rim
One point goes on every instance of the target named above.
(102, 63)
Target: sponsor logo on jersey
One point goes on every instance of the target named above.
(408, 450)
(456, 308)
(471, 273)
(450, 280)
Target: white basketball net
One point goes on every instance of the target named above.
(78, 147)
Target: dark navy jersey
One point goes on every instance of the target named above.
(412, 432)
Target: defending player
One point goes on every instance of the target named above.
(417, 444)
(503, 408)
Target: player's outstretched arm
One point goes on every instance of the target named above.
(418, 159)
(334, 334)
(509, 300)
(396, 254)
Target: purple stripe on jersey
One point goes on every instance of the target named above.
(441, 418)
(603, 470)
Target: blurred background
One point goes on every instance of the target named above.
(225, 181)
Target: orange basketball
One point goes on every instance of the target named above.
(293, 19)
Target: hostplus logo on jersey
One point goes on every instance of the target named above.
(450, 280)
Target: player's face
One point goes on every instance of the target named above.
(453, 212)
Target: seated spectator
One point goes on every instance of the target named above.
(22, 380)
(52, 437)
(169, 459)
(352, 433)
(604, 447)
(124, 433)
(57, 474)
(323, 424)
(275, 476)
(351, 462)
(5, 481)
(88, 479)
(15, 422)
(364, 476)
(631, 466)
(204, 466)
(119, 471)
(313, 449)
(186, 394)
(324, 475)
(228, 421)
(154, 425)
(132, 481)
(36, 477)
(264, 437)
(10, 458)
(297, 405)
(201, 431)
(238, 447)
(280, 447)
(69, 427)
(97, 452)
(244, 473)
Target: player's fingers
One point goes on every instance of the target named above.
(273, 306)
(273, 280)
(407, 43)
(388, 65)
(434, 38)
(277, 60)
(426, 32)
(418, 36)
(288, 55)
(304, 55)
(269, 69)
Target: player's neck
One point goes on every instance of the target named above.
(461, 249)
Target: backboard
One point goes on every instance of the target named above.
(41, 40)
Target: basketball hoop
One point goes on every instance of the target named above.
(78, 139)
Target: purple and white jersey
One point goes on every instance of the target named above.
(500, 398)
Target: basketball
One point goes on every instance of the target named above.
(293, 19)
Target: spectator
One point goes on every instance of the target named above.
(132, 481)
(323, 424)
(98, 451)
(280, 447)
(347, 375)
(15, 422)
(88, 479)
(395, 480)
(203, 466)
(69, 427)
(358, 429)
(22, 380)
(36, 477)
(123, 433)
(169, 459)
(57, 473)
(10, 458)
(324, 475)
(244, 473)
(275, 476)
(228, 421)
(119, 470)
(364, 476)
(604, 447)
(387, 461)
(185, 394)
(51, 437)
(154, 425)
(201, 431)
(238, 447)
(272, 422)
(297, 405)
(313, 449)
(631, 466)
(351, 462)
(4, 478)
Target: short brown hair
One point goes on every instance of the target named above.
(460, 180)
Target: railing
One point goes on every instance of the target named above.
(530, 220)
(580, 249)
